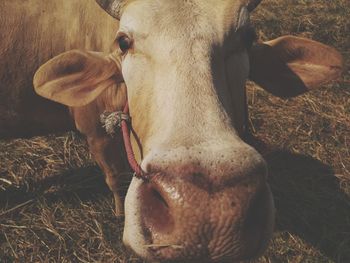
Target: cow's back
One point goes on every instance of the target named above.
(32, 32)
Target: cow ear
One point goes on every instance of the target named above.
(289, 66)
(75, 78)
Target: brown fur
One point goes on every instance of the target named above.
(289, 66)
(107, 151)
(34, 31)
(31, 33)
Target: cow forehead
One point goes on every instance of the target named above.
(211, 19)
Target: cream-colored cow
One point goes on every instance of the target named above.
(185, 64)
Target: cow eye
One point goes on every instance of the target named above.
(124, 43)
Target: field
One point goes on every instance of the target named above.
(55, 206)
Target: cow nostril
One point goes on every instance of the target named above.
(160, 198)
(156, 212)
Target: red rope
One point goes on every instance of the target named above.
(128, 148)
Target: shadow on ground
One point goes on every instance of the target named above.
(310, 204)
(84, 183)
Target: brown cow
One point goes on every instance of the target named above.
(185, 64)
(32, 32)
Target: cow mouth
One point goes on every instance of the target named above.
(158, 223)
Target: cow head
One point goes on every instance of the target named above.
(185, 64)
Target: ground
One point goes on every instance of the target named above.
(55, 206)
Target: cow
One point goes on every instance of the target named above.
(31, 33)
(182, 66)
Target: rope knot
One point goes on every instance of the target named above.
(112, 121)
(121, 120)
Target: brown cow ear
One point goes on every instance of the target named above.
(289, 66)
(75, 78)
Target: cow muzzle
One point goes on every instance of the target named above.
(197, 207)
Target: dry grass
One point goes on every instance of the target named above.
(55, 207)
